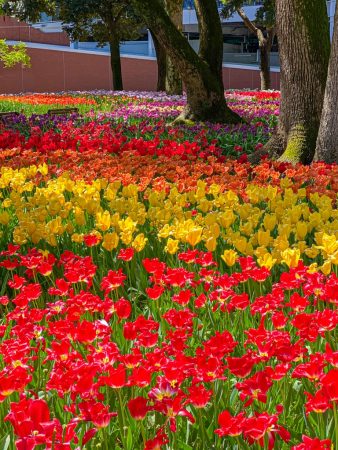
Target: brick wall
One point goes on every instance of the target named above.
(69, 70)
(14, 30)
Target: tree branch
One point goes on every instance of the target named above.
(252, 27)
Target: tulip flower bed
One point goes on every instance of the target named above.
(158, 294)
(120, 123)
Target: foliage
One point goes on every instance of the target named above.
(14, 54)
(28, 9)
(100, 20)
(265, 15)
(82, 18)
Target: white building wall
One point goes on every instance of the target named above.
(331, 7)
(190, 18)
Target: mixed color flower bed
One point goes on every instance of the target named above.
(157, 291)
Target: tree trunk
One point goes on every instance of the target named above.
(115, 62)
(211, 36)
(304, 45)
(265, 46)
(173, 81)
(265, 66)
(327, 142)
(204, 84)
(161, 63)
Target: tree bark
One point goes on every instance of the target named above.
(203, 83)
(265, 44)
(173, 81)
(327, 142)
(161, 57)
(115, 62)
(211, 36)
(304, 46)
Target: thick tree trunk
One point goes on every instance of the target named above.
(327, 142)
(304, 45)
(211, 36)
(115, 61)
(173, 81)
(161, 57)
(204, 85)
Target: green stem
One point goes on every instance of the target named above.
(104, 438)
(201, 424)
(143, 433)
(335, 415)
(121, 417)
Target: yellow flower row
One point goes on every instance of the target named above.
(275, 225)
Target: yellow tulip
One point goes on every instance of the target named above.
(55, 226)
(269, 222)
(301, 230)
(43, 169)
(172, 246)
(126, 237)
(103, 220)
(164, 232)
(4, 218)
(211, 219)
(313, 268)
(19, 236)
(229, 257)
(291, 257)
(77, 238)
(7, 203)
(51, 240)
(267, 261)
(227, 218)
(281, 243)
(241, 244)
(329, 244)
(110, 241)
(80, 218)
(193, 237)
(139, 242)
(263, 238)
(127, 225)
(211, 243)
(301, 245)
(246, 228)
(326, 267)
(204, 205)
(311, 252)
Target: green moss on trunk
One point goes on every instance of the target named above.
(300, 144)
(304, 45)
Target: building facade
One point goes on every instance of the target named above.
(58, 66)
(240, 46)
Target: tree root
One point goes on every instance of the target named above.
(273, 149)
(224, 115)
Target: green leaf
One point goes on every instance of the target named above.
(4, 444)
(183, 446)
